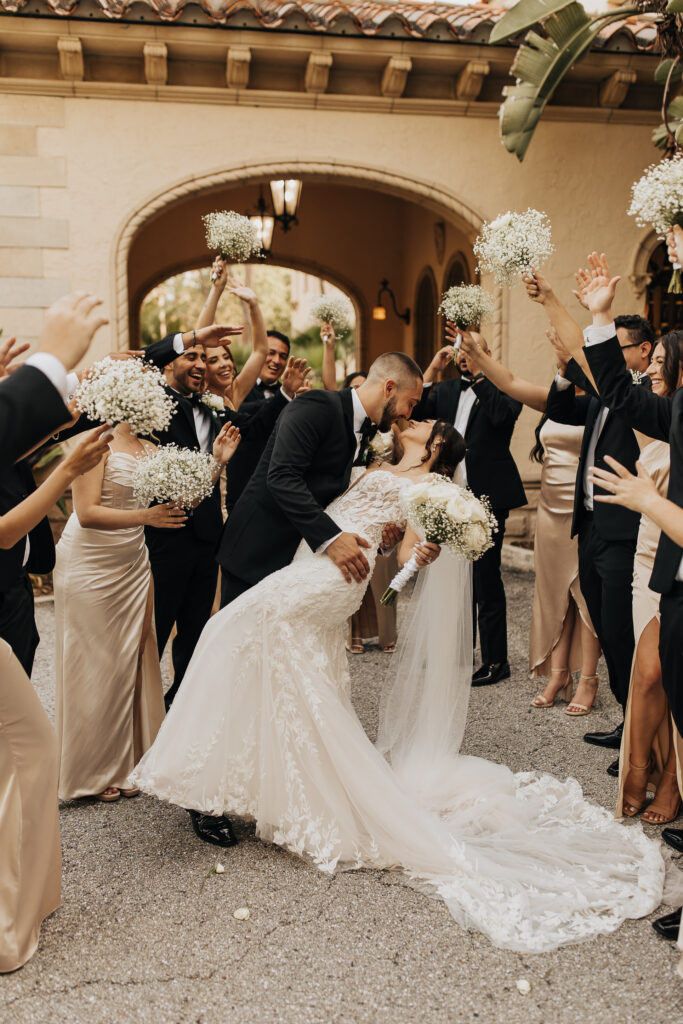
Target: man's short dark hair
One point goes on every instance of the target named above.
(640, 330)
(280, 337)
(397, 365)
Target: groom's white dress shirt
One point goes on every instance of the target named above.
(359, 418)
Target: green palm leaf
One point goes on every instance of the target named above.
(522, 16)
(540, 66)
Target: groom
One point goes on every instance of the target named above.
(306, 465)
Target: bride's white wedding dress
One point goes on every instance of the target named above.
(263, 727)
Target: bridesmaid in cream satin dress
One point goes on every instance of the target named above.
(652, 750)
(109, 691)
(559, 609)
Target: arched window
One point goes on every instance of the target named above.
(664, 309)
(425, 320)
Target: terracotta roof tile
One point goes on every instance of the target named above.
(416, 19)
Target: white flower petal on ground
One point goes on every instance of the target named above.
(242, 914)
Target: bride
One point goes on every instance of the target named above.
(263, 727)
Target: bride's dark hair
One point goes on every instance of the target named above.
(452, 448)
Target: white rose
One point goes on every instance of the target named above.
(457, 507)
(475, 536)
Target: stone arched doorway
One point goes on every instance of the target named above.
(356, 227)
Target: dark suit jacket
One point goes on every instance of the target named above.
(16, 483)
(656, 416)
(306, 464)
(612, 522)
(30, 409)
(491, 470)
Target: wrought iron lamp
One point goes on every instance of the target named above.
(379, 312)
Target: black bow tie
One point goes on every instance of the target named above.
(262, 386)
(367, 430)
(465, 383)
(195, 398)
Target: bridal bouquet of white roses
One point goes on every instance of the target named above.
(180, 475)
(514, 244)
(657, 202)
(126, 391)
(448, 515)
(232, 235)
(333, 309)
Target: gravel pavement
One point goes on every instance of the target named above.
(146, 933)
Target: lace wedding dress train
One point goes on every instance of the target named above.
(263, 727)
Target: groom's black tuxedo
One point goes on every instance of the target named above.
(491, 471)
(306, 464)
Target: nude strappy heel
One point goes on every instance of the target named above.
(630, 804)
(584, 709)
(565, 693)
(667, 814)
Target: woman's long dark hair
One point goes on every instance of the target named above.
(451, 451)
(537, 453)
(673, 359)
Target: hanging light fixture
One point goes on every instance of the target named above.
(286, 194)
(263, 223)
(379, 312)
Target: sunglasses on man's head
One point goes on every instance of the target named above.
(631, 344)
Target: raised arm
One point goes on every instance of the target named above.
(329, 367)
(20, 520)
(251, 370)
(533, 395)
(499, 408)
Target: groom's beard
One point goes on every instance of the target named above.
(388, 415)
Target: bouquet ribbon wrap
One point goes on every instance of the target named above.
(399, 581)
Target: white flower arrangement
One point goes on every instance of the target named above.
(181, 475)
(446, 514)
(514, 244)
(232, 235)
(381, 448)
(637, 376)
(333, 309)
(213, 402)
(466, 305)
(126, 391)
(657, 202)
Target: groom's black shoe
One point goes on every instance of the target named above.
(613, 769)
(212, 830)
(668, 925)
(487, 675)
(673, 837)
(606, 739)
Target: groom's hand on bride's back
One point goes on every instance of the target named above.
(345, 551)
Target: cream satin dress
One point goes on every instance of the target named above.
(107, 714)
(656, 460)
(30, 850)
(556, 553)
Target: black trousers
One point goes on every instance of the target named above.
(231, 587)
(184, 589)
(671, 650)
(17, 621)
(606, 575)
(490, 608)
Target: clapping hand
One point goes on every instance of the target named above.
(635, 492)
(295, 378)
(212, 336)
(445, 355)
(9, 350)
(242, 292)
(70, 325)
(562, 352)
(596, 285)
(225, 445)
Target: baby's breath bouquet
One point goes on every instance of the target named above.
(657, 202)
(466, 305)
(514, 244)
(444, 514)
(333, 309)
(126, 391)
(232, 235)
(180, 475)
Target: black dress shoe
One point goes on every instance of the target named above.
(487, 675)
(673, 837)
(212, 830)
(606, 739)
(668, 925)
(613, 769)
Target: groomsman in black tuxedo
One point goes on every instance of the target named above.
(607, 533)
(486, 418)
(267, 389)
